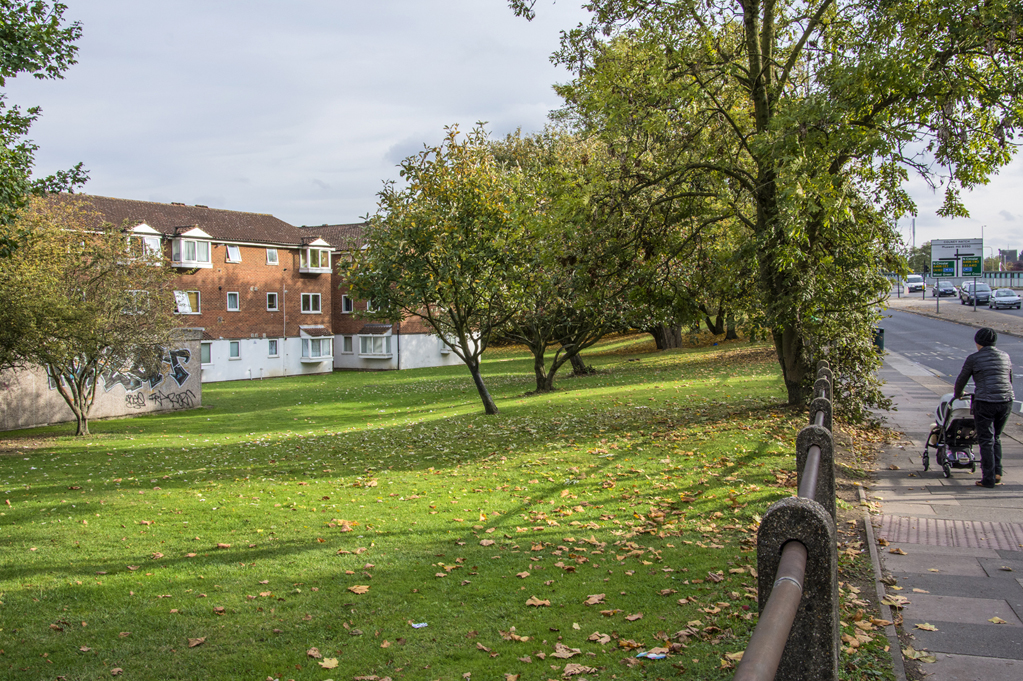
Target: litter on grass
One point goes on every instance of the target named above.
(419, 626)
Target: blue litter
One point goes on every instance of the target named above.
(419, 626)
(651, 656)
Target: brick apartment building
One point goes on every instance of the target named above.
(258, 288)
(360, 343)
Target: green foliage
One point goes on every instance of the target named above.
(919, 260)
(445, 248)
(79, 300)
(35, 40)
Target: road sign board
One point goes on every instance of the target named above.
(957, 257)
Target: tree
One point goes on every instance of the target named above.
(445, 248)
(919, 259)
(81, 299)
(34, 39)
(811, 115)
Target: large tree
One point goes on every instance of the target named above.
(445, 248)
(811, 115)
(81, 299)
(34, 39)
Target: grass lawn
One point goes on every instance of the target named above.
(379, 525)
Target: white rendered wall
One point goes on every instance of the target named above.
(255, 362)
(417, 350)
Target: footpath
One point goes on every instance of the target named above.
(954, 549)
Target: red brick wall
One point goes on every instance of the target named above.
(252, 279)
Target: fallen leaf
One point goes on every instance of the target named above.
(358, 589)
(926, 627)
(734, 657)
(487, 542)
(328, 662)
(223, 546)
(314, 653)
(564, 652)
(997, 620)
(633, 618)
(897, 551)
(522, 575)
(594, 599)
(573, 669)
(600, 638)
(116, 671)
(511, 677)
(536, 602)
(125, 634)
(193, 642)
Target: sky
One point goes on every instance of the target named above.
(303, 109)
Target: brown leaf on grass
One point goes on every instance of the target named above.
(511, 677)
(594, 599)
(190, 555)
(163, 596)
(715, 576)
(610, 613)
(265, 594)
(385, 644)
(522, 575)
(536, 602)
(219, 609)
(573, 669)
(486, 542)
(56, 627)
(480, 646)
(633, 618)
(125, 634)
(145, 522)
(221, 545)
(510, 635)
(116, 671)
(600, 638)
(564, 652)
(668, 592)
(525, 658)
(358, 589)
(328, 662)
(193, 642)
(314, 653)
(629, 644)
(133, 567)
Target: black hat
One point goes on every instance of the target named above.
(986, 337)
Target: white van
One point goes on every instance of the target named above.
(914, 282)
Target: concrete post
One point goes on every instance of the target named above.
(821, 404)
(825, 491)
(822, 388)
(811, 653)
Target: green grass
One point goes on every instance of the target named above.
(644, 479)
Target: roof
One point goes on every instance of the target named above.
(375, 329)
(221, 225)
(347, 237)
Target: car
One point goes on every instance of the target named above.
(914, 282)
(943, 288)
(1005, 297)
(971, 293)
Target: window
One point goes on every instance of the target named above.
(272, 348)
(346, 345)
(316, 348)
(191, 253)
(271, 302)
(187, 302)
(346, 305)
(369, 306)
(271, 256)
(375, 345)
(310, 303)
(147, 246)
(204, 353)
(234, 253)
(234, 350)
(315, 260)
(232, 302)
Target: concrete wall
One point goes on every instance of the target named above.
(417, 350)
(28, 397)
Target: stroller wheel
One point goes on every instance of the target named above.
(947, 470)
(927, 461)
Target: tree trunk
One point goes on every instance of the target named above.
(716, 325)
(540, 370)
(488, 402)
(789, 345)
(667, 337)
(730, 332)
(579, 367)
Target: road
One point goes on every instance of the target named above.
(939, 345)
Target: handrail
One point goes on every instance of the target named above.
(764, 654)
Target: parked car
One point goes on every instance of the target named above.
(943, 288)
(970, 292)
(914, 282)
(1005, 297)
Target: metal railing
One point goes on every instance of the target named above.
(797, 635)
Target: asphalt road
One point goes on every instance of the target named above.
(954, 300)
(939, 345)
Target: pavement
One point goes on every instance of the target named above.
(962, 567)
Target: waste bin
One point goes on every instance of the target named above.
(879, 339)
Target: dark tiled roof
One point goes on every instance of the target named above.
(315, 331)
(342, 237)
(222, 225)
(375, 329)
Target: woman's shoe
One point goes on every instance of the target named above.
(998, 479)
(981, 484)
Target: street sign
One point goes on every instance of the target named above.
(957, 257)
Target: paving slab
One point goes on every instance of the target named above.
(964, 566)
(958, 610)
(988, 640)
(973, 667)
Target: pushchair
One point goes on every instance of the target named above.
(953, 435)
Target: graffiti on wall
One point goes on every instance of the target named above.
(179, 400)
(134, 377)
(134, 400)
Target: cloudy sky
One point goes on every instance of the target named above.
(303, 108)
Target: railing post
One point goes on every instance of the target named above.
(811, 653)
(824, 494)
(822, 388)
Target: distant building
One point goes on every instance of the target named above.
(1008, 255)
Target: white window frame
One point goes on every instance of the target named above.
(317, 349)
(347, 345)
(237, 301)
(310, 297)
(273, 347)
(150, 247)
(277, 301)
(235, 347)
(208, 348)
(369, 306)
(271, 257)
(234, 253)
(383, 352)
(314, 259)
(347, 304)
(196, 309)
(180, 253)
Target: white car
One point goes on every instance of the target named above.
(914, 282)
(1004, 297)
